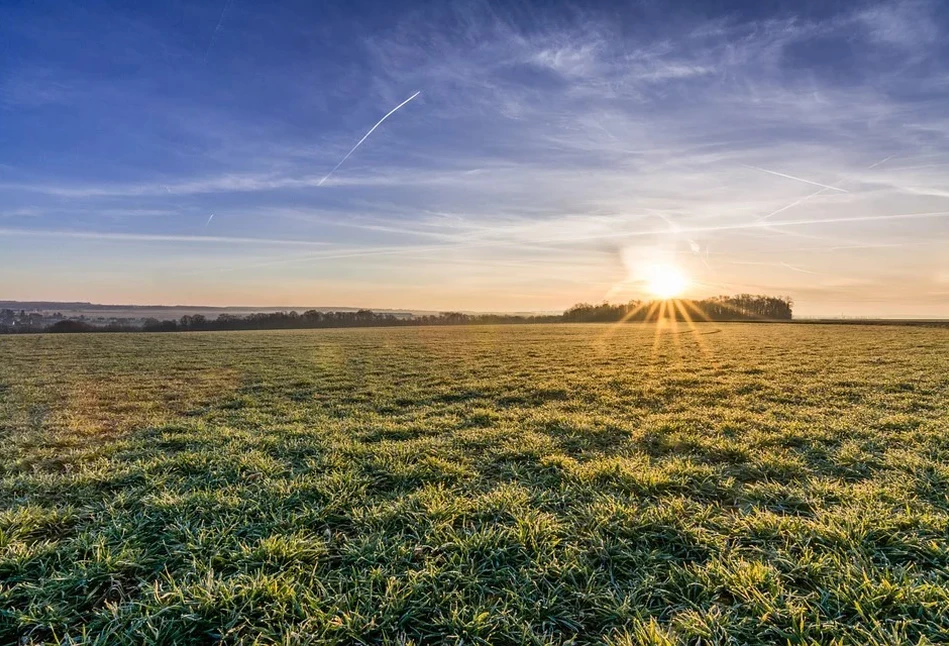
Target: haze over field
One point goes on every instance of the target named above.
(231, 152)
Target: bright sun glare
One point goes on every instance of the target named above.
(666, 281)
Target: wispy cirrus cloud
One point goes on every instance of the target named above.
(31, 87)
(907, 24)
(151, 237)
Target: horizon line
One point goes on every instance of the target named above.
(411, 310)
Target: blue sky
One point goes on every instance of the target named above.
(556, 152)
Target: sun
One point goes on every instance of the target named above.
(665, 281)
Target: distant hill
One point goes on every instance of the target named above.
(171, 311)
(78, 308)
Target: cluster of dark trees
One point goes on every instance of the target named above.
(317, 319)
(743, 307)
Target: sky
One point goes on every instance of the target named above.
(183, 152)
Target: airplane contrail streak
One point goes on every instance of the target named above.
(764, 226)
(799, 179)
(798, 269)
(209, 221)
(815, 194)
(366, 136)
(217, 29)
(792, 204)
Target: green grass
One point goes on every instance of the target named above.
(509, 485)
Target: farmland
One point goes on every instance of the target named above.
(735, 483)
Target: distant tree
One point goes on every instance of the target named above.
(70, 327)
(154, 325)
(193, 322)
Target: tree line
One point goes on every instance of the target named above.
(742, 307)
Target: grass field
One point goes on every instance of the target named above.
(517, 484)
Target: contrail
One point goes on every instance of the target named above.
(209, 221)
(882, 161)
(764, 226)
(217, 29)
(798, 269)
(792, 204)
(366, 136)
(806, 181)
(815, 194)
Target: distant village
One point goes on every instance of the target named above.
(37, 321)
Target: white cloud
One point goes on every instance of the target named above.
(908, 24)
